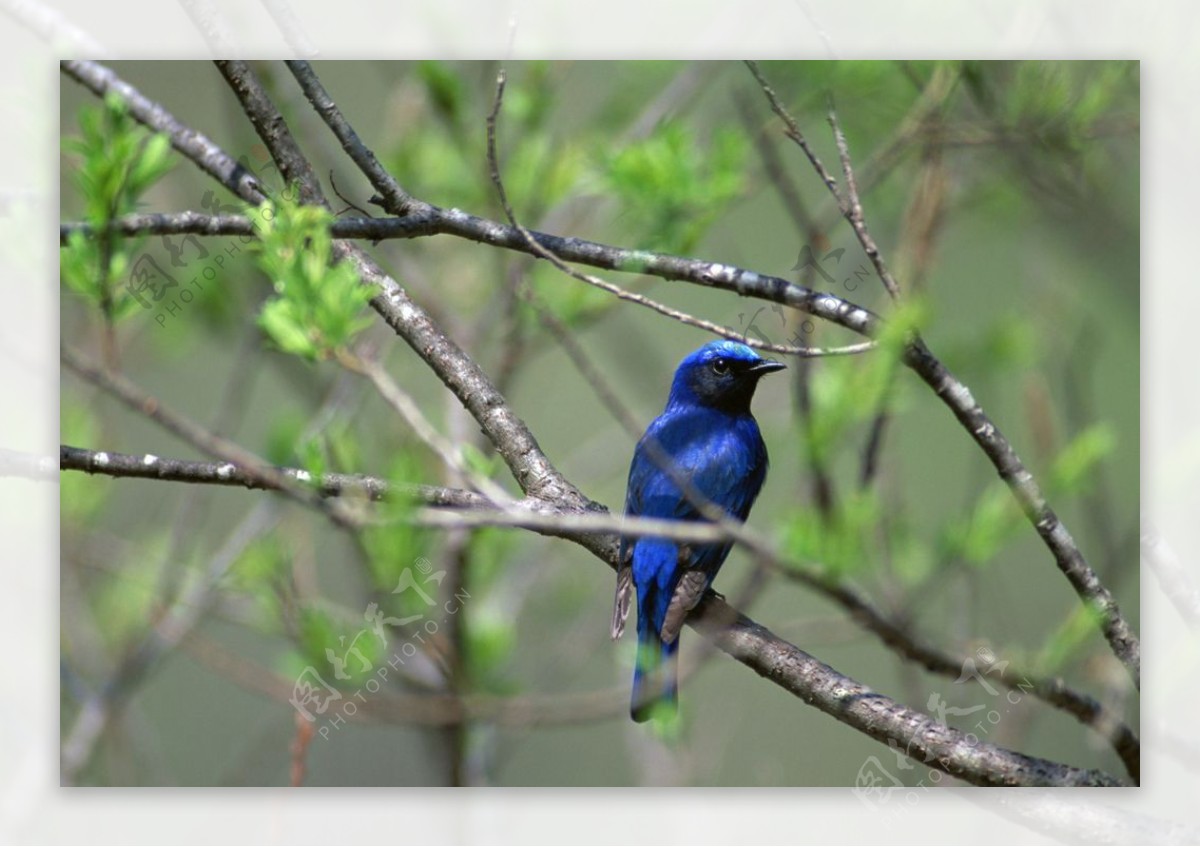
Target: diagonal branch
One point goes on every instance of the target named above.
(1070, 560)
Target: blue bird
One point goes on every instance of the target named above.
(705, 443)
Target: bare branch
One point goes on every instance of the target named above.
(921, 737)
(473, 510)
(1070, 560)
(195, 146)
(237, 457)
(854, 212)
(512, 438)
(394, 198)
(792, 129)
(149, 466)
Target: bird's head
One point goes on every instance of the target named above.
(721, 374)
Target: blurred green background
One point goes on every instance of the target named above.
(1004, 196)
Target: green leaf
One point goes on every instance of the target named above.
(841, 544)
(282, 321)
(1065, 643)
(993, 523)
(672, 188)
(318, 307)
(445, 90)
(1073, 466)
(396, 543)
(80, 495)
(329, 645)
(117, 162)
(491, 638)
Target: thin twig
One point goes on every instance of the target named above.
(237, 458)
(407, 408)
(144, 656)
(1070, 560)
(854, 211)
(625, 294)
(394, 198)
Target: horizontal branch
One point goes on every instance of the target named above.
(599, 532)
(143, 403)
(198, 223)
(428, 220)
(149, 466)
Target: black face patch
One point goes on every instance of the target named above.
(725, 382)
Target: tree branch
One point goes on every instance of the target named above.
(599, 532)
(1070, 560)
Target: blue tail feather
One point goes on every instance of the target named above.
(655, 675)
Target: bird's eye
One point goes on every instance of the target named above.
(720, 367)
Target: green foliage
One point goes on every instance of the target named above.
(530, 96)
(283, 438)
(540, 171)
(489, 550)
(912, 557)
(491, 633)
(397, 542)
(80, 496)
(317, 632)
(1072, 468)
(891, 87)
(569, 300)
(312, 457)
(848, 390)
(1008, 342)
(995, 519)
(671, 188)
(118, 162)
(446, 159)
(261, 564)
(259, 573)
(445, 89)
(342, 447)
(1059, 101)
(491, 636)
(318, 306)
(842, 543)
(484, 464)
(1065, 643)
(325, 641)
(125, 599)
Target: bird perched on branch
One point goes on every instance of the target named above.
(702, 454)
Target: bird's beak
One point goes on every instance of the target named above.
(766, 366)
